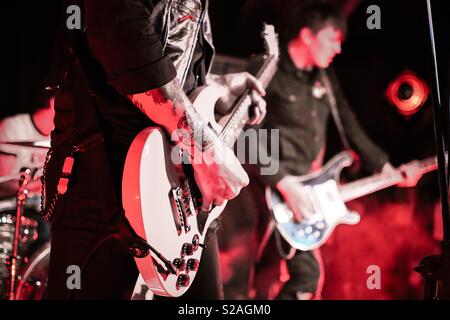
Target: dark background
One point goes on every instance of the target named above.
(399, 225)
(370, 58)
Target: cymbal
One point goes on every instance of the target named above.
(9, 185)
(12, 177)
(16, 176)
(9, 189)
(43, 144)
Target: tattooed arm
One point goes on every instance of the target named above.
(170, 107)
(218, 173)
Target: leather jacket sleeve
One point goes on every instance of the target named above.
(122, 38)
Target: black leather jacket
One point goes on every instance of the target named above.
(179, 23)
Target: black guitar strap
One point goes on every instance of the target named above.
(334, 110)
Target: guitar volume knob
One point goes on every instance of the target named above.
(183, 280)
(196, 240)
(180, 264)
(187, 249)
(192, 265)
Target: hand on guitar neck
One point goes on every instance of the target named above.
(296, 198)
(219, 175)
(411, 173)
(233, 85)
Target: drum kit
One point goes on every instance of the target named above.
(24, 236)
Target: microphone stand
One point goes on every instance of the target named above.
(436, 268)
(22, 194)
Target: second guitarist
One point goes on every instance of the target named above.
(302, 98)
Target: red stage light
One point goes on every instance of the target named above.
(407, 92)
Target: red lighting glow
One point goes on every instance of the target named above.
(407, 92)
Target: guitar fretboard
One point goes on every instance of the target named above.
(365, 186)
(239, 116)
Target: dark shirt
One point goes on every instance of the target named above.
(122, 38)
(121, 55)
(302, 119)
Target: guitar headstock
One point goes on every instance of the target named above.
(414, 170)
(270, 40)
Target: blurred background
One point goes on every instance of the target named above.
(398, 226)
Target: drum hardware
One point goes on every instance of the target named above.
(42, 144)
(32, 281)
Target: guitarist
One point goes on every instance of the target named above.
(300, 99)
(129, 68)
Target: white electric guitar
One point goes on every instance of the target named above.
(161, 199)
(324, 198)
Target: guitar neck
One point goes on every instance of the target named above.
(365, 186)
(240, 113)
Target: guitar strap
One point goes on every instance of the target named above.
(269, 231)
(285, 255)
(334, 110)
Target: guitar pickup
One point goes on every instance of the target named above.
(188, 200)
(182, 201)
(177, 211)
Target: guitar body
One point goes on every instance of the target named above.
(321, 198)
(159, 199)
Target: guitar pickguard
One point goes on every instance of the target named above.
(321, 201)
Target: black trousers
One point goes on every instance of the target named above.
(303, 269)
(304, 275)
(108, 271)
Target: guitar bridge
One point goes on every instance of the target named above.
(183, 207)
(176, 210)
